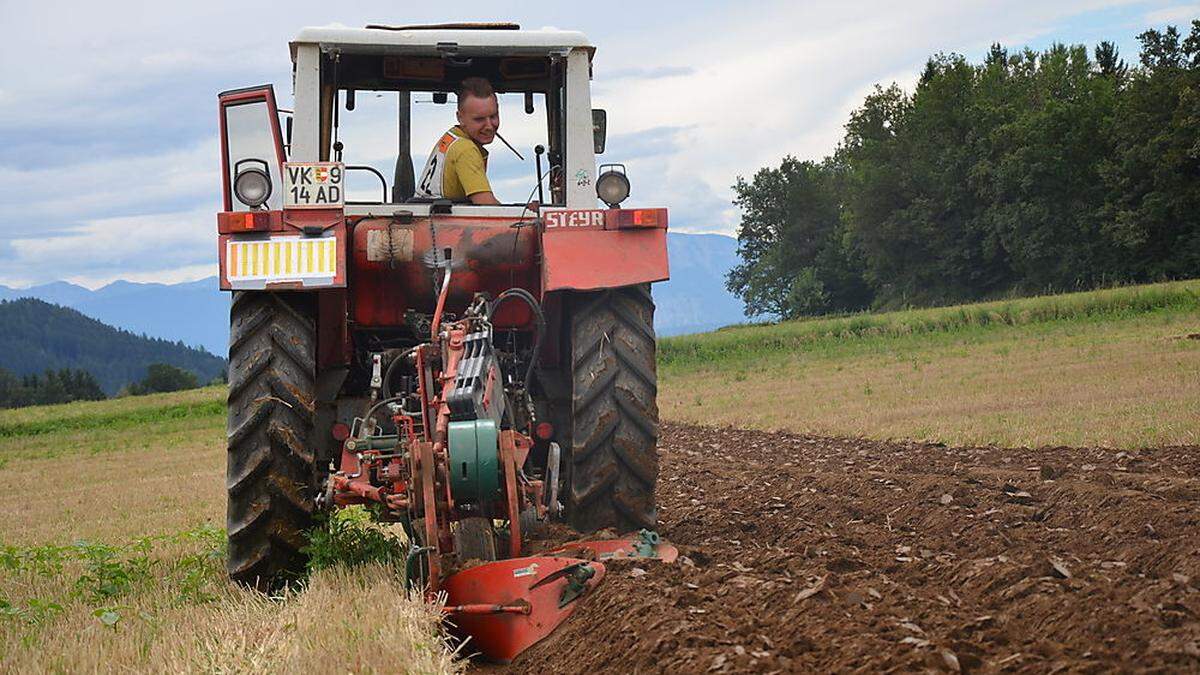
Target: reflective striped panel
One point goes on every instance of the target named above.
(281, 259)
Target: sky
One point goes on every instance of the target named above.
(109, 157)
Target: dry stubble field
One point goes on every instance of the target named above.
(805, 551)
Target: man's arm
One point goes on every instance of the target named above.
(473, 175)
(483, 198)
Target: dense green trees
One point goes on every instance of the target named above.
(163, 377)
(36, 336)
(55, 386)
(1024, 173)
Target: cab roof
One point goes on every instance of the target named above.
(465, 38)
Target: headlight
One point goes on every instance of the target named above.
(252, 187)
(612, 186)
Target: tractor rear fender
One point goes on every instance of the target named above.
(593, 249)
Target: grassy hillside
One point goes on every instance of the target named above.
(36, 336)
(1113, 367)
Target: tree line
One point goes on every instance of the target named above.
(1029, 172)
(36, 336)
(55, 386)
(70, 384)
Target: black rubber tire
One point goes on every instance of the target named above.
(270, 478)
(612, 463)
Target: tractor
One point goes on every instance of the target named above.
(468, 371)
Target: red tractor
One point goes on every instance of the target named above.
(464, 370)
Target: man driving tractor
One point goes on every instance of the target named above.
(457, 165)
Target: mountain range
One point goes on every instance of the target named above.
(36, 336)
(197, 312)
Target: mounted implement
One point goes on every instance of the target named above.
(469, 371)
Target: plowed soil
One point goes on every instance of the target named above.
(818, 554)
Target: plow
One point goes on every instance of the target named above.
(453, 470)
(471, 372)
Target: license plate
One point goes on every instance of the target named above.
(313, 185)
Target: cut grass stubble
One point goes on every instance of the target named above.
(153, 468)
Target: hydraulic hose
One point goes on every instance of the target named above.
(540, 327)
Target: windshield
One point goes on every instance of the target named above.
(370, 137)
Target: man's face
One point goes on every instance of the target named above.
(480, 118)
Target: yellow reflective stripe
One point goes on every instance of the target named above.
(284, 257)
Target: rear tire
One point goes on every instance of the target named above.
(612, 465)
(270, 478)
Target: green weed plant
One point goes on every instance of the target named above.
(352, 537)
(102, 574)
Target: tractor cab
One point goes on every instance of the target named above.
(541, 78)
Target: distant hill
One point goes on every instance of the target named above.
(695, 299)
(36, 336)
(197, 312)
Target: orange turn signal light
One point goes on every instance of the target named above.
(232, 222)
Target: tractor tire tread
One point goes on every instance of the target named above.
(613, 463)
(270, 477)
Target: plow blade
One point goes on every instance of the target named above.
(504, 607)
(643, 544)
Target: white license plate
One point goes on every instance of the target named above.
(313, 185)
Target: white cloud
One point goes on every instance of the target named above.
(1183, 14)
(782, 81)
(713, 92)
(156, 246)
(35, 200)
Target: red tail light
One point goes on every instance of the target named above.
(233, 222)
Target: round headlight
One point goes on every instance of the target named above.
(612, 187)
(252, 187)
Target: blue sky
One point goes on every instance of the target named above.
(108, 120)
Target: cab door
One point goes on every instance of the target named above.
(251, 141)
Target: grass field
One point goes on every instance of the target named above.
(112, 557)
(1113, 368)
(111, 512)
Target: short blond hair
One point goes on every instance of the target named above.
(478, 87)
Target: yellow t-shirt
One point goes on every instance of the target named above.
(456, 168)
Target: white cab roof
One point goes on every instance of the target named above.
(420, 40)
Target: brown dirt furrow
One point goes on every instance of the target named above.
(816, 554)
